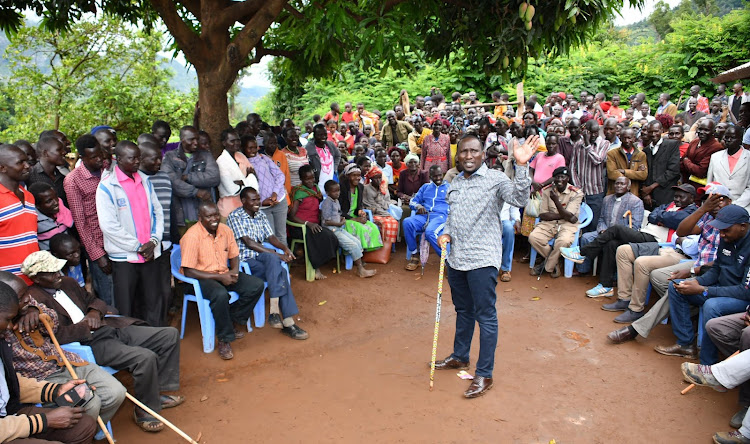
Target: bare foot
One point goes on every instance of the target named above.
(363, 273)
(319, 276)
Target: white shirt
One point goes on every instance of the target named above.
(75, 313)
(655, 148)
(509, 212)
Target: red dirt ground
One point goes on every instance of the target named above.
(363, 376)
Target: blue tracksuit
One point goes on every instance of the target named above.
(432, 198)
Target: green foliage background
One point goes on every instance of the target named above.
(99, 72)
(697, 48)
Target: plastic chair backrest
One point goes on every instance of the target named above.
(175, 262)
(585, 215)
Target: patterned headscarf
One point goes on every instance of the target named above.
(374, 171)
(351, 168)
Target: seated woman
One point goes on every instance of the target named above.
(321, 243)
(377, 201)
(352, 193)
(235, 171)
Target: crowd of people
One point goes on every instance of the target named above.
(88, 235)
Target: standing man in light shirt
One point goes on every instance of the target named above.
(474, 230)
(132, 221)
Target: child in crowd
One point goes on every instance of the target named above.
(53, 216)
(333, 220)
(65, 246)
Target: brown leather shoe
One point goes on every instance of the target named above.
(450, 363)
(479, 386)
(683, 351)
(622, 335)
(225, 350)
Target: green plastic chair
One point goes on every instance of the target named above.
(309, 270)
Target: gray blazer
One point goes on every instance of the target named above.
(738, 181)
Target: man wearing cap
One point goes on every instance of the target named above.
(724, 289)
(715, 197)
(150, 354)
(605, 245)
(558, 217)
(731, 167)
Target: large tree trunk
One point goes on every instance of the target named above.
(212, 98)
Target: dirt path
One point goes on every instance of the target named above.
(363, 376)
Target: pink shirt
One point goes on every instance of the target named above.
(544, 165)
(138, 206)
(733, 159)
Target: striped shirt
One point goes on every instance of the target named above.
(18, 227)
(163, 188)
(588, 164)
(474, 219)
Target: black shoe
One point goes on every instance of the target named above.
(274, 320)
(537, 270)
(295, 332)
(629, 316)
(736, 421)
(618, 305)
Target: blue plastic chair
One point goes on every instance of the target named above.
(585, 216)
(85, 352)
(208, 326)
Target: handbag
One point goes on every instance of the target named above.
(534, 206)
(380, 256)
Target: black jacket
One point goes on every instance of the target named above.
(345, 199)
(664, 169)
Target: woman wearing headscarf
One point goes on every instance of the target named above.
(377, 201)
(352, 194)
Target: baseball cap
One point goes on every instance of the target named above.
(42, 262)
(714, 188)
(730, 215)
(686, 187)
(101, 127)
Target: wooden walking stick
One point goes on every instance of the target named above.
(692, 386)
(437, 314)
(629, 214)
(47, 321)
(48, 324)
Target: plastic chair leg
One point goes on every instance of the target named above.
(348, 262)
(259, 313)
(208, 327)
(184, 314)
(568, 268)
(532, 257)
(700, 327)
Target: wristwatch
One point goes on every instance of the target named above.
(705, 292)
(692, 271)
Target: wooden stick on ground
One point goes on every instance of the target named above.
(692, 386)
(48, 325)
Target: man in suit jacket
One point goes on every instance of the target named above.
(694, 165)
(731, 167)
(663, 157)
(150, 354)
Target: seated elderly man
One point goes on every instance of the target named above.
(20, 422)
(206, 248)
(150, 354)
(637, 262)
(558, 217)
(605, 245)
(429, 211)
(620, 208)
(721, 291)
(35, 357)
(251, 228)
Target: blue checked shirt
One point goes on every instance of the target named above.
(474, 219)
(256, 228)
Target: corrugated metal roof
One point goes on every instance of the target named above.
(737, 73)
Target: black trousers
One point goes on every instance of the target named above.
(150, 354)
(605, 248)
(137, 291)
(249, 289)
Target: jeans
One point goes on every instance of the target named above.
(509, 242)
(595, 202)
(267, 267)
(102, 283)
(416, 224)
(277, 218)
(249, 289)
(348, 242)
(588, 263)
(474, 299)
(679, 312)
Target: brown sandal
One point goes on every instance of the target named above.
(505, 276)
(412, 265)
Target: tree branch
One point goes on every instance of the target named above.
(193, 6)
(186, 39)
(251, 34)
(239, 11)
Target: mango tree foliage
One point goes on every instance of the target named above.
(98, 72)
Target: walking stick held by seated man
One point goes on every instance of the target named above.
(437, 314)
(45, 319)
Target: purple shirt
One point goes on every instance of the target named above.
(136, 193)
(270, 178)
